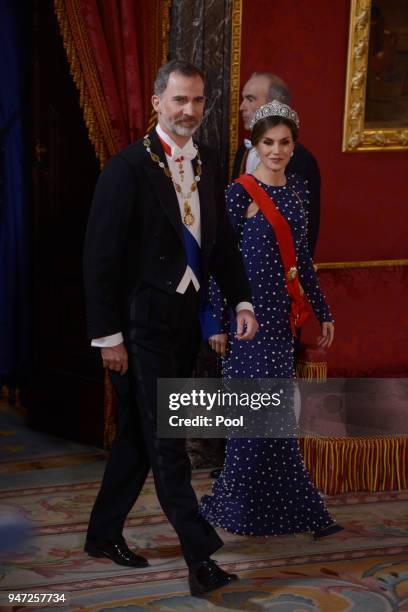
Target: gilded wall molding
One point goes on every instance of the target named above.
(355, 136)
(379, 263)
(236, 25)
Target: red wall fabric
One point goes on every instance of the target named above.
(371, 321)
(364, 195)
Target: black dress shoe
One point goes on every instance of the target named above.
(117, 551)
(208, 577)
(216, 473)
(327, 531)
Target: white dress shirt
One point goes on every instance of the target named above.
(252, 159)
(188, 152)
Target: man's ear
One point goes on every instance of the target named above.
(156, 103)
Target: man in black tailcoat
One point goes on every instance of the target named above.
(156, 230)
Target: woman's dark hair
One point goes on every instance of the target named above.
(263, 125)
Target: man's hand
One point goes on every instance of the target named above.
(326, 339)
(247, 325)
(218, 343)
(115, 358)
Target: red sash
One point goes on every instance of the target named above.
(299, 311)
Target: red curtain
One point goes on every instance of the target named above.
(114, 48)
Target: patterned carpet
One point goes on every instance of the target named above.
(364, 568)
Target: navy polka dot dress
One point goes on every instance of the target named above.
(264, 488)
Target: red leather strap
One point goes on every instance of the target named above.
(299, 311)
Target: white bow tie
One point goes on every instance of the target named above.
(248, 143)
(188, 151)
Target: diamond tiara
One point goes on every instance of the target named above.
(275, 109)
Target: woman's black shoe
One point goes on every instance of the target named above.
(327, 531)
(117, 551)
(208, 577)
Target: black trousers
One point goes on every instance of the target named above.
(162, 341)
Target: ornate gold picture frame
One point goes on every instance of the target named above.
(377, 76)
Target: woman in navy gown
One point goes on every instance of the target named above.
(264, 487)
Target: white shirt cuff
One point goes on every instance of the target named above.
(108, 341)
(244, 306)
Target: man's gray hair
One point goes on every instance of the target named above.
(278, 90)
(181, 67)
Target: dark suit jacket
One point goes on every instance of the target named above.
(135, 236)
(305, 165)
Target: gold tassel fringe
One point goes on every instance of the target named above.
(343, 465)
(85, 76)
(309, 370)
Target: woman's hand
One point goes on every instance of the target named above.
(218, 343)
(326, 339)
(247, 325)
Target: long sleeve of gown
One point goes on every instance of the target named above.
(309, 280)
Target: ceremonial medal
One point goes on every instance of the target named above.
(188, 217)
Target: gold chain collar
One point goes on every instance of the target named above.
(188, 217)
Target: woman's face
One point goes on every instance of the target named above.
(276, 147)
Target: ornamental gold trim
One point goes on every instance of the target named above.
(165, 30)
(84, 74)
(380, 263)
(355, 136)
(328, 460)
(236, 24)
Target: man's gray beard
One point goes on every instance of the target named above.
(181, 130)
